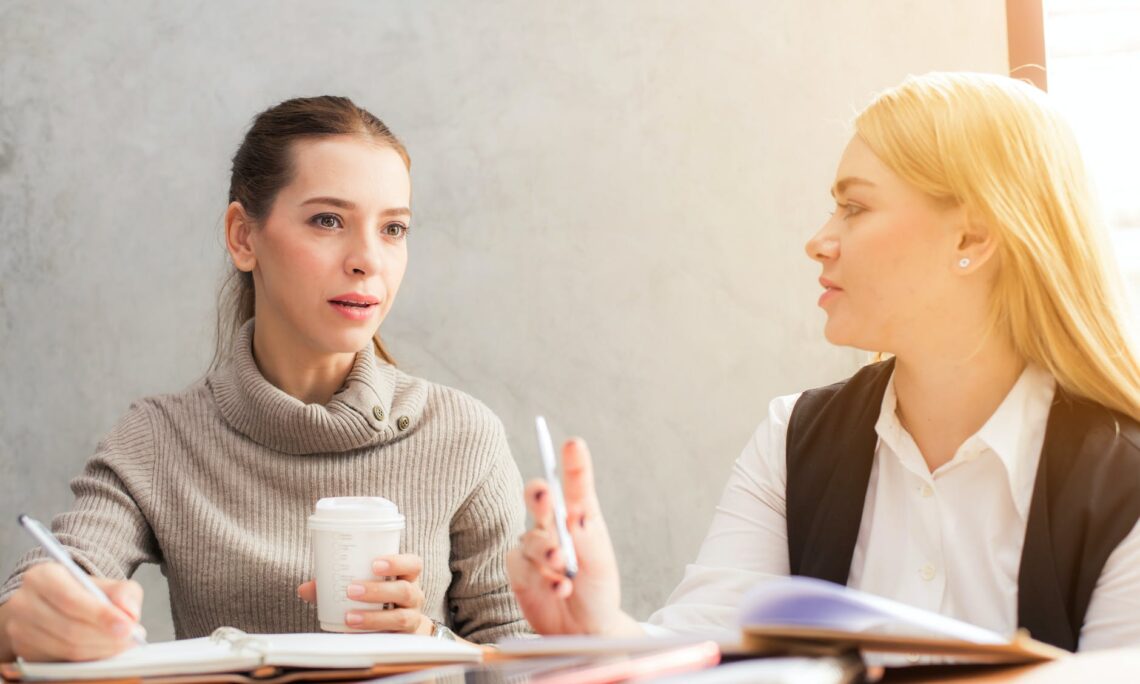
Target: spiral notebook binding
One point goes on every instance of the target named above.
(240, 641)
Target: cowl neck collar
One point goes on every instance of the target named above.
(360, 413)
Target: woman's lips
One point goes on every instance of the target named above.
(352, 310)
(830, 291)
(828, 295)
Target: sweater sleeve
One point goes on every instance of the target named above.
(480, 601)
(106, 531)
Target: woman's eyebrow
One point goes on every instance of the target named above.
(844, 183)
(350, 206)
(335, 201)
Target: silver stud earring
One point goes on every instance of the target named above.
(964, 262)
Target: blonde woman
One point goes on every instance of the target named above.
(990, 469)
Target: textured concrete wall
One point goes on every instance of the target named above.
(611, 201)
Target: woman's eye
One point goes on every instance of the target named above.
(848, 210)
(327, 221)
(396, 230)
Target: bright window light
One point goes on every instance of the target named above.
(1093, 61)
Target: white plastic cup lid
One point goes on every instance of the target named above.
(356, 510)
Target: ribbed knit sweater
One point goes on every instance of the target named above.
(216, 483)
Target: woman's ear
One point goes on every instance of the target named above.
(239, 229)
(976, 244)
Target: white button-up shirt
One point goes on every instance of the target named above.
(947, 541)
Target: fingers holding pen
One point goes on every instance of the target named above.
(63, 596)
(126, 594)
(34, 642)
(538, 503)
(540, 547)
(53, 592)
(54, 618)
(578, 492)
(538, 560)
(538, 565)
(534, 585)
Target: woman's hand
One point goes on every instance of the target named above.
(402, 593)
(52, 617)
(552, 603)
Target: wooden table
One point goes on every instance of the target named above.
(1098, 667)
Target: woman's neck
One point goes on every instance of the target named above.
(944, 397)
(297, 370)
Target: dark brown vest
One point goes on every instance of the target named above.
(1086, 497)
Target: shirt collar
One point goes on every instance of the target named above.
(1015, 432)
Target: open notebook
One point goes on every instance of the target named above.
(231, 650)
(805, 615)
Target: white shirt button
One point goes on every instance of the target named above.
(927, 572)
(927, 491)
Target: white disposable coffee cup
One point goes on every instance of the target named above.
(349, 532)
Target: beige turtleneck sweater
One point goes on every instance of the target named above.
(216, 483)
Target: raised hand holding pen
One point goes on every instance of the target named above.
(52, 616)
(590, 603)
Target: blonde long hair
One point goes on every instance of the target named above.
(996, 146)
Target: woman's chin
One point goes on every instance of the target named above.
(843, 336)
(835, 333)
(347, 341)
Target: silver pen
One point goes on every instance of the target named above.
(550, 468)
(53, 548)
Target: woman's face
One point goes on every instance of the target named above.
(332, 251)
(888, 254)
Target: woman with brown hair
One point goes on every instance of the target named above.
(303, 402)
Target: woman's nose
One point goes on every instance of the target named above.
(365, 256)
(824, 245)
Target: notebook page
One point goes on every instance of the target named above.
(197, 656)
(807, 602)
(593, 645)
(362, 650)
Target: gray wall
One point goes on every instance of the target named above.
(611, 201)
